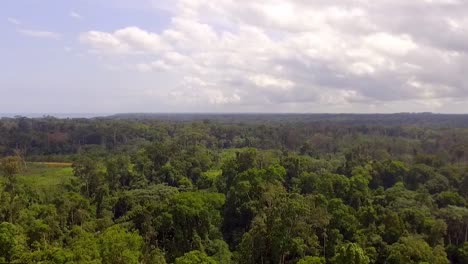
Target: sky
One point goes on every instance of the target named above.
(305, 56)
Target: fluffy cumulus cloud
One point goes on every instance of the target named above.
(126, 40)
(301, 53)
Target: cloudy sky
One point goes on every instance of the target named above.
(111, 56)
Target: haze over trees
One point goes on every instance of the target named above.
(235, 189)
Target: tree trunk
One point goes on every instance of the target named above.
(324, 243)
(466, 233)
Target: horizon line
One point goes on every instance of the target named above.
(109, 114)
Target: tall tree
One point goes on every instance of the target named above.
(351, 253)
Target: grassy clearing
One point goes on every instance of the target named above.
(46, 175)
(53, 164)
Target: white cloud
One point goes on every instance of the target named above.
(298, 53)
(361, 68)
(75, 15)
(139, 39)
(189, 92)
(104, 42)
(39, 33)
(158, 65)
(126, 40)
(270, 82)
(387, 43)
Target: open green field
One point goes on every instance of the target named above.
(45, 175)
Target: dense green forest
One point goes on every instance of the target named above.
(268, 189)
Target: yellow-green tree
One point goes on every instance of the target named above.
(351, 253)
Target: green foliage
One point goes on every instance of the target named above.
(415, 250)
(156, 257)
(351, 253)
(311, 260)
(195, 215)
(195, 257)
(284, 230)
(219, 251)
(119, 246)
(462, 253)
(444, 199)
(388, 173)
(271, 190)
(12, 242)
(84, 247)
(119, 172)
(87, 170)
(9, 166)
